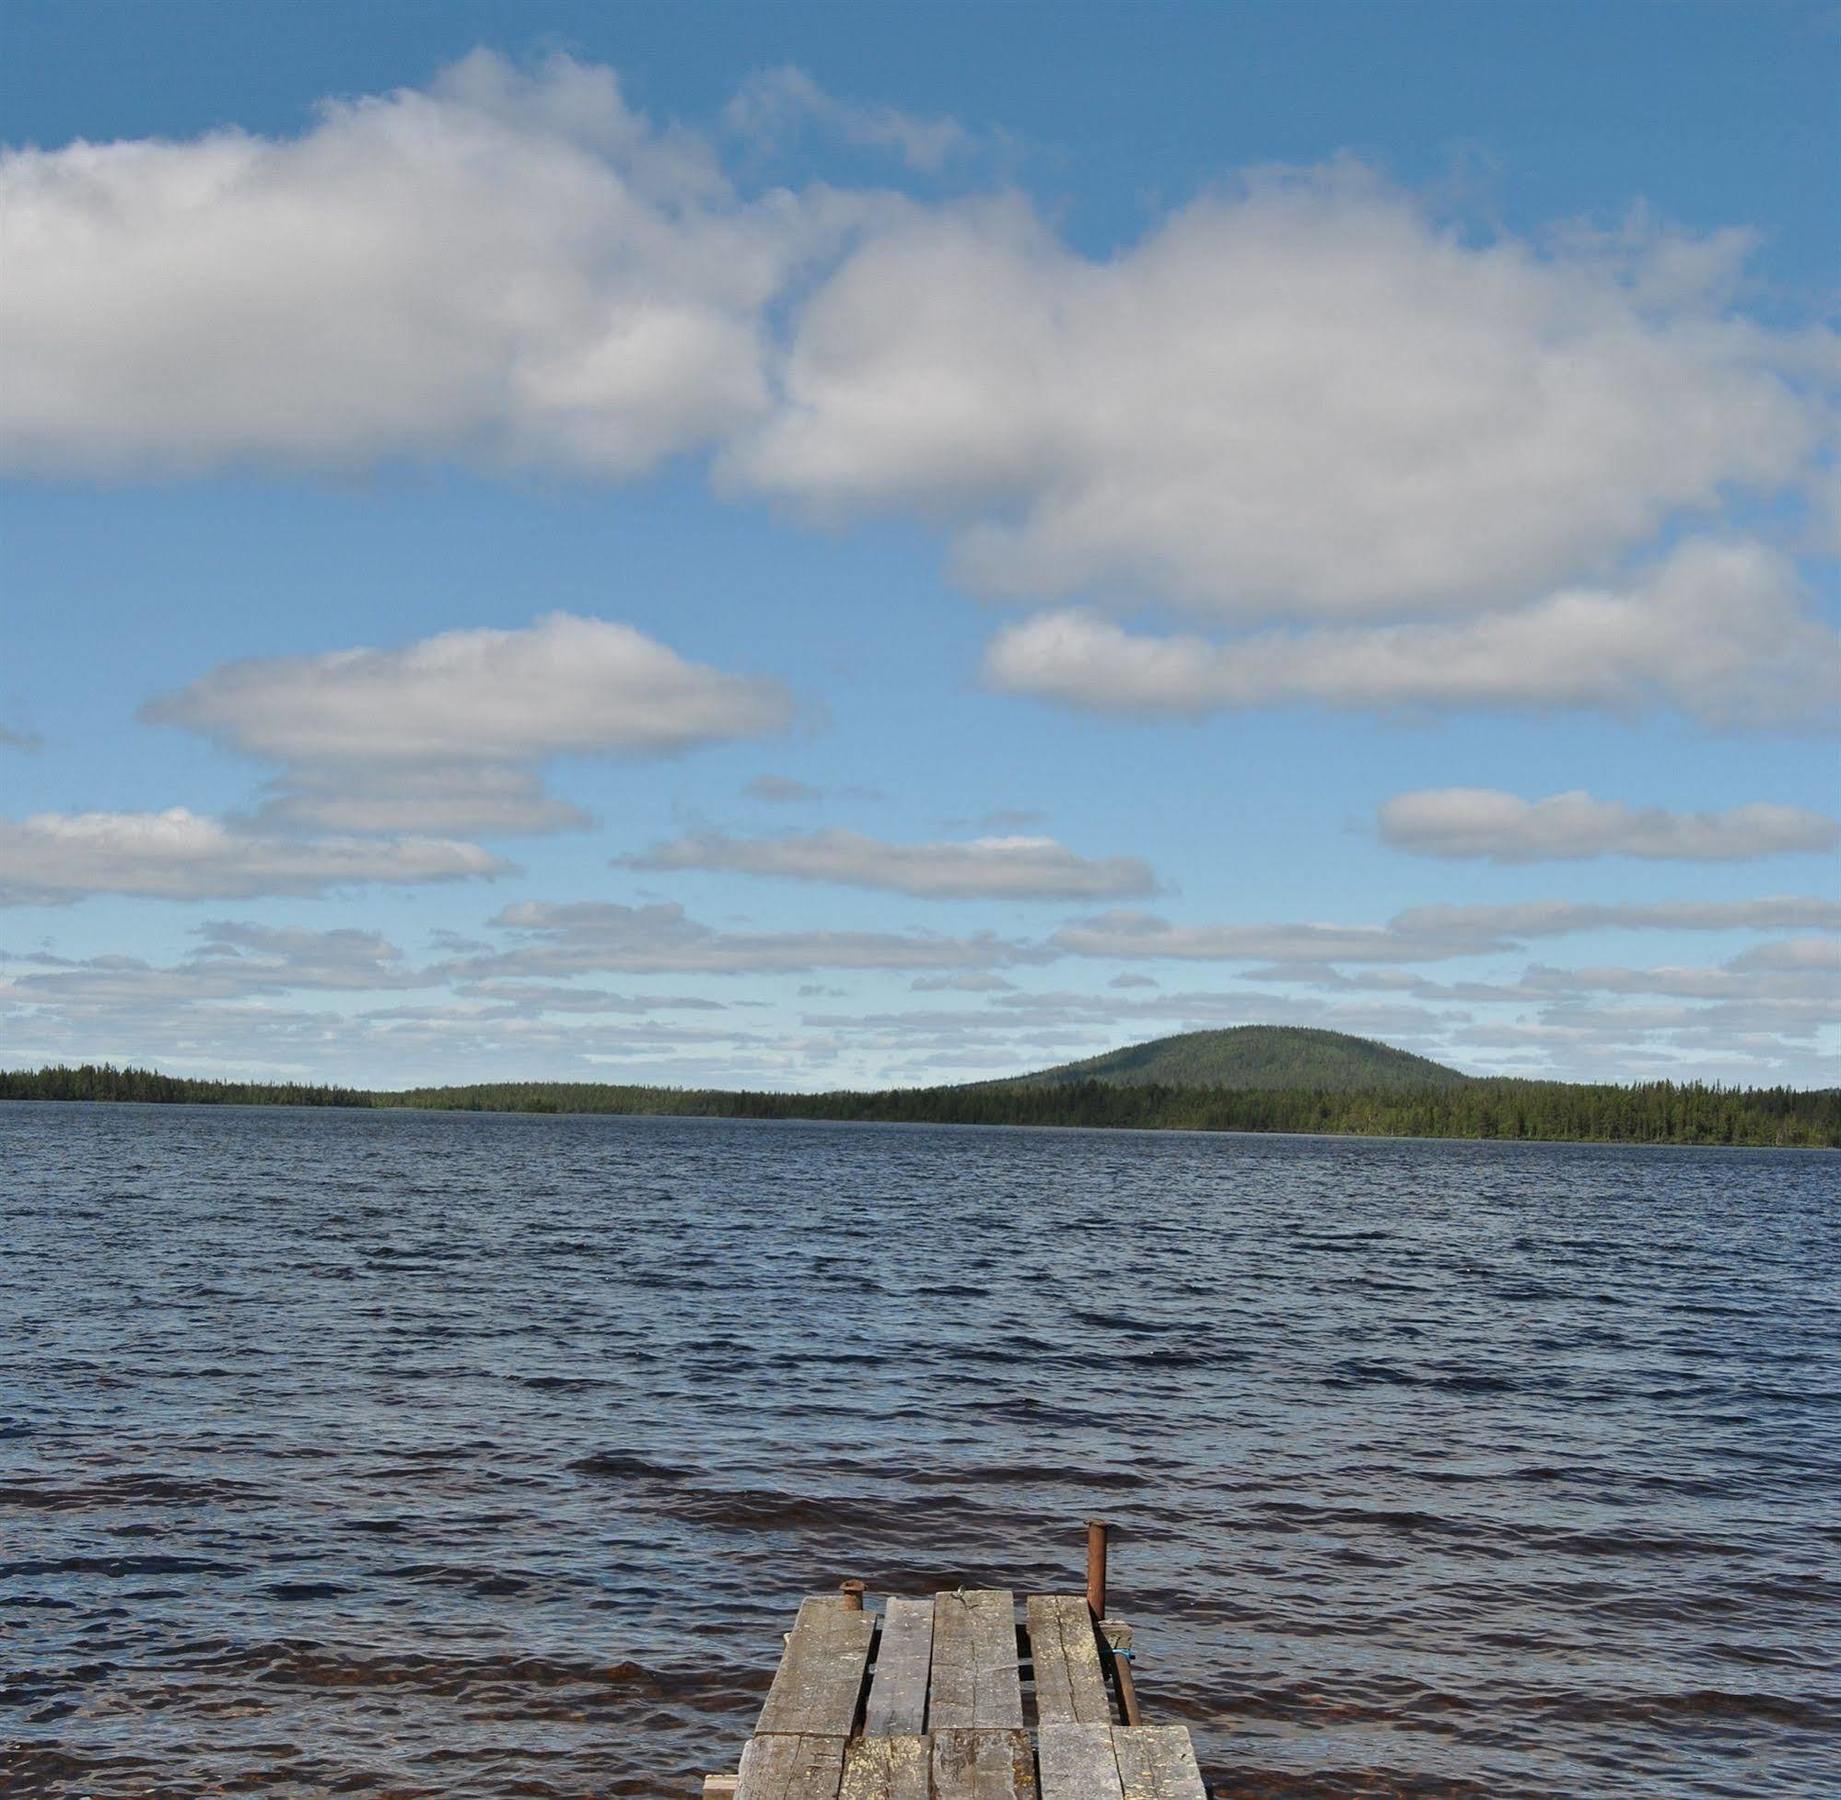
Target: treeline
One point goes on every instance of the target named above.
(1657, 1112)
(100, 1081)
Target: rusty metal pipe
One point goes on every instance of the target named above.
(853, 1595)
(1096, 1567)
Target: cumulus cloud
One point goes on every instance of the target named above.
(994, 868)
(1429, 933)
(1718, 630)
(508, 267)
(1301, 396)
(776, 103)
(1486, 823)
(1412, 465)
(443, 735)
(1306, 398)
(54, 858)
(586, 936)
(478, 697)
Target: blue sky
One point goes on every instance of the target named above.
(793, 545)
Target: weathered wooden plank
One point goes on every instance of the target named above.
(1157, 1762)
(898, 1690)
(1078, 1763)
(820, 1678)
(1070, 1684)
(983, 1765)
(791, 1768)
(886, 1768)
(974, 1683)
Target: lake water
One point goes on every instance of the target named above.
(421, 1454)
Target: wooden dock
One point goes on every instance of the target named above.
(951, 1697)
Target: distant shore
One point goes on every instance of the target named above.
(1479, 1108)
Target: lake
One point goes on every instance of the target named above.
(472, 1455)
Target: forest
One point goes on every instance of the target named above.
(1654, 1112)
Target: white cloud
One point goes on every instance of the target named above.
(538, 997)
(1718, 630)
(236, 961)
(507, 267)
(1304, 400)
(1304, 397)
(51, 858)
(775, 103)
(1790, 956)
(1760, 1015)
(478, 697)
(168, 1018)
(996, 868)
(587, 936)
(1429, 933)
(247, 957)
(1801, 970)
(443, 735)
(1486, 823)
(1804, 972)
(1135, 935)
(970, 982)
(1559, 918)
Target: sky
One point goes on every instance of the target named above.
(812, 545)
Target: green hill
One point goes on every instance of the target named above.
(1255, 1056)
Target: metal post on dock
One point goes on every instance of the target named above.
(853, 1595)
(1096, 1567)
(1116, 1637)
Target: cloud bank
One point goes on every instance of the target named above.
(1720, 631)
(1418, 466)
(586, 936)
(992, 868)
(1304, 397)
(1483, 823)
(1430, 933)
(55, 858)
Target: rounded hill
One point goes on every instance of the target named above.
(1255, 1056)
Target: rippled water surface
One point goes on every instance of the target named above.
(463, 1455)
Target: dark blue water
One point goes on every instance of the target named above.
(398, 1454)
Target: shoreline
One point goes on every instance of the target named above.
(847, 1107)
